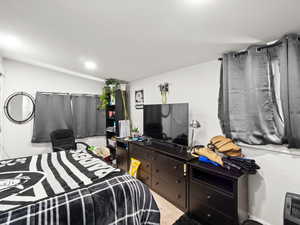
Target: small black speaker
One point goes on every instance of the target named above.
(292, 209)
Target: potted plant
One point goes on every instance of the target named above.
(135, 132)
(108, 93)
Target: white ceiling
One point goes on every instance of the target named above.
(132, 39)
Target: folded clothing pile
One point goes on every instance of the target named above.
(242, 165)
(225, 146)
(208, 153)
(226, 153)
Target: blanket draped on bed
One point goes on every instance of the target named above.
(72, 187)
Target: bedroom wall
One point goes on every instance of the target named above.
(28, 78)
(1, 65)
(199, 85)
(1, 108)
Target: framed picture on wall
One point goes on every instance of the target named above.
(139, 99)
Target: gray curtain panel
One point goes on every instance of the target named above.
(223, 110)
(275, 62)
(52, 112)
(247, 103)
(290, 88)
(88, 120)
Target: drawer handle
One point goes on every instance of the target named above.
(147, 165)
(178, 196)
(208, 197)
(157, 183)
(178, 181)
(208, 215)
(157, 170)
(175, 167)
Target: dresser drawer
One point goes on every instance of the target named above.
(207, 196)
(139, 153)
(165, 166)
(143, 156)
(172, 189)
(144, 177)
(145, 166)
(208, 215)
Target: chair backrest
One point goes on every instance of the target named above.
(63, 138)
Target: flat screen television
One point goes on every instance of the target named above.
(167, 122)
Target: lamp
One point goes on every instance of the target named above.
(194, 125)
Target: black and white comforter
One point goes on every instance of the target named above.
(72, 187)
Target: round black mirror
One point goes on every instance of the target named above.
(19, 107)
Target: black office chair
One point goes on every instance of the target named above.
(64, 139)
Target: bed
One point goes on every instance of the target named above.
(72, 187)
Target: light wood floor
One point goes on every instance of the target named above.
(168, 212)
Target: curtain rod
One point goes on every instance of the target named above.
(258, 49)
(61, 93)
(270, 46)
(53, 93)
(91, 95)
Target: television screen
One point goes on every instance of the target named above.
(167, 122)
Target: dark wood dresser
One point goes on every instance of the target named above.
(209, 194)
(217, 196)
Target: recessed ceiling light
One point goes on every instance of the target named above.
(9, 41)
(197, 2)
(90, 65)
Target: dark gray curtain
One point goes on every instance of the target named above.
(247, 103)
(52, 112)
(290, 88)
(223, 110)
(88, 120)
